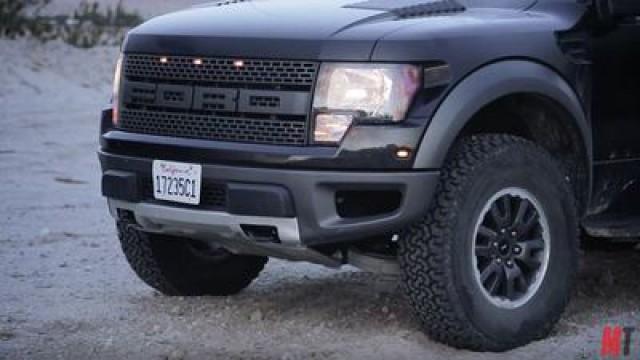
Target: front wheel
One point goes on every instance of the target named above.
(492, 264)
(186, 267)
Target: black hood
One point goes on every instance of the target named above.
(294, 29)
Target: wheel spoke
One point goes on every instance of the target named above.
(535, 244)
(526, 255)
(523, 206)
(530, 262)
(500, 217)
(486, 232)
(512, 274)
(496, 284)
(483, 251)
(506, 207)
(488, 271)
(528, 224)
(522, 282)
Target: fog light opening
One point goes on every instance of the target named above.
(355, 204)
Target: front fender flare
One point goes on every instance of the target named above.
(486, 85)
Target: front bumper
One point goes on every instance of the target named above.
(301, 206)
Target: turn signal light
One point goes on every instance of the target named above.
(403, 153)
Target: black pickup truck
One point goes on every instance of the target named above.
(464, 144)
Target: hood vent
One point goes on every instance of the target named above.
(227, 2)
(404, 9)
(433, 8)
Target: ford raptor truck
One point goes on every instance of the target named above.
(465, 144)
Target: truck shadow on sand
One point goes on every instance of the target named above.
(361, 302)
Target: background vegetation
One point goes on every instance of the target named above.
(89, 25)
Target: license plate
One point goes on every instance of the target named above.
(178, 182)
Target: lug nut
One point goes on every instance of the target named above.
(516, 250)
(514, 234)
(498, 260)
(509, 263)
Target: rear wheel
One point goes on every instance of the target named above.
(181, 266)
(492, 264)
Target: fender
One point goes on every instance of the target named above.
(486, 85)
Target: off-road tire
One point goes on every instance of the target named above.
(434, 253)
(173, 266)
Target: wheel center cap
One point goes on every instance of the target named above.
(504, 248)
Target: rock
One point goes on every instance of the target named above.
(256, 316)
(287, 356)
(153, 331)
(6, 334)
(108, 342)
(176, 310)
(176, 355)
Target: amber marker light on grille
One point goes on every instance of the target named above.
(197, 61)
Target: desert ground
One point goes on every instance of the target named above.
(66, 291)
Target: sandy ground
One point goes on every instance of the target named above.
(66, 291)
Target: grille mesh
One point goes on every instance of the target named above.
(221, 70)
(266, 131)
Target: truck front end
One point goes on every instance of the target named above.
(265, 145)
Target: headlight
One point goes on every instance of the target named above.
(115, 101)
(345, 92)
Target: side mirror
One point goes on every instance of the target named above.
(609, 10)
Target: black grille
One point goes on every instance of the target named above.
(221, 70)
(219, 128)
(262, 101)
(213, 195)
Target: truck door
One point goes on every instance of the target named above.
(616, 92)
(615, 112)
